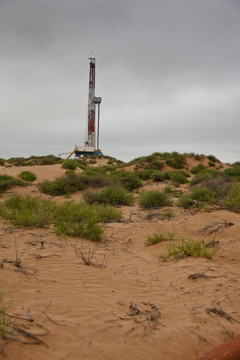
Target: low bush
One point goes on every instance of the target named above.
(232, 199)
(205, 175)
(111, 195)
(2, 163)
(157, 176)
(213, 159)
(145, 174)
(49, 160)
(178, 161)
(62, 185)
(198, 168)
(155, 165)
(68, 218)
(233, 171)
(189, 248)
(154, 199)
(70, 164)
(7, 182)
(178, 177)
(131, 183)
(27, 176)
(200, 194)
(158, 238)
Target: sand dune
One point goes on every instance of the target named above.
(89, 310)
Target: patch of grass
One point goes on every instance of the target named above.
(111, 195)
(158, 238)
(7, 182)
(27, 176)
(68, 218)
(154, 199)
(188, 248)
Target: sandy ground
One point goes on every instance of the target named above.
(89, 310)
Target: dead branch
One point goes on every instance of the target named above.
(222, 314)
(87, 255)
(215, 226)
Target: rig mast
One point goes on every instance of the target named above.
(91, 105)
(90, 143)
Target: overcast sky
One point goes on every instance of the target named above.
(168, 72)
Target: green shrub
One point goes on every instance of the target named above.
(178, 177)
(154, 199)
(198, 168)
(157, 176)
(158, 238)
(7, 182)
(232, 200)
(62, 185)
(156, 165)
(233, 171)
(111, 195)
(49, 160)
(200, 194)
(185, 201)
(68, 218)
(205, 175)
(189, 248)
(131, 183)
(178, 161)
(211, 163)
(69, 164)
(145, 174)
(213, 159)
(27, 176)
(2, 163)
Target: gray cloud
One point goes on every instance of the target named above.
(167, 70)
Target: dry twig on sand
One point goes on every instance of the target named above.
(222, 314)
(147, 318)
(215, 226)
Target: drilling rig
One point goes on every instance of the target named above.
(91, 147)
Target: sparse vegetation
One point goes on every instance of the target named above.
(27, 176)
(111, 195)
(2, 163)
(187, 248)
(68, 218)
(7, 182)
(232, 199)
(154, 199)
(158, 238)
(62, 185)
